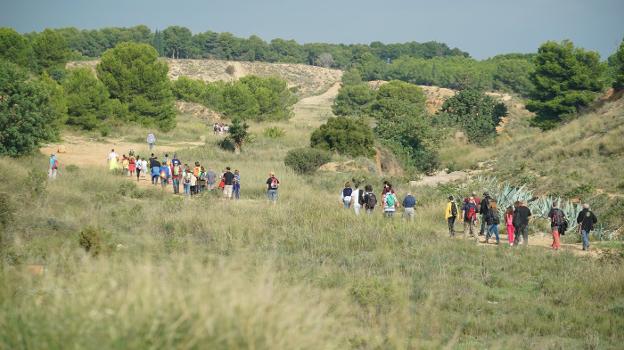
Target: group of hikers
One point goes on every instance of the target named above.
(474, 211)
(194, 179)
(220, 128)
(516, 218)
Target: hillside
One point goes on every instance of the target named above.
(306, 80)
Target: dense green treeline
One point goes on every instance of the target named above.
(180, 42)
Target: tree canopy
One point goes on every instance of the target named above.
(345, 135)
(26, 116)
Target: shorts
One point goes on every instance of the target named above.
(227, 191)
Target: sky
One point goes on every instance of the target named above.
(483, 28)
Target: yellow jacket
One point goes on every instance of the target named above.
(449, 210)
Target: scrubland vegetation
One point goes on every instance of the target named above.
(93, 260)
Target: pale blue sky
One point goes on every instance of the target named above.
(482, 27)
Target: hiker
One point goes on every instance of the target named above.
(390, 202)
(492, 219)
(186, 180)
(357, 198)
(155, 170)
(469, 214)
(521, 223)
(201, 180)
(451, 215)
(125, 165)
(409, 202)
(53, 167)
(193, 183)
(272, 186)
(586, 219)
(131, 165)
(176, 175)
(144, 167)
(557, 219)
(509, 213)
(175, 161)
(112, 160)
(237, 184)
(139, 167)
(228, 183)
(345, 195)
(211, 179)
(165, 174)
(484, 210)
(370, 200)
(151, 141)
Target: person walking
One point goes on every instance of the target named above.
(131, 165)
(186, 180)
(484, 210)
(211, 179)
(469, 214)
(228, 183)
(345, 195)
(509, 213)
(370, 200)
(557, 218)
(144, 167)
(176, 175)
(272, 185)
(237, 184)
(155, 171)
(357, 198)
(451, 215)
(112, 160)
(521, 222)
(492, 219)
(53, 167)
(390, 202)
(139, 167)
(586, 219)
(151, 141)
(125, 165)
(409, 204)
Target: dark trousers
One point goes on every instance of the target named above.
(451, 225)
(483, 225)
(524, 232)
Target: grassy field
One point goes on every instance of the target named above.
(168, 272)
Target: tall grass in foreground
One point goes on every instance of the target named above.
(204, 273)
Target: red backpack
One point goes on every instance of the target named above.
(472, 213)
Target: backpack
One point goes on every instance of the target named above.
(390, 200)
(472, 213)
(187, 179)
(163, 174)
(347, 192)
(557, 218)
(55, 165)
(453, 209)
(371, 201)
(564, 226)
(274, 183)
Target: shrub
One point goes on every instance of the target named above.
(93, 241)
(306, 160)
(274, 132)
(354, 100)
(346, 136)
(7, 210)
(227, 144)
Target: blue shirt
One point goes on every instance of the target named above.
(409, 201)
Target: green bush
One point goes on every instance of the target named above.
(88, 103)
(7, 210)
(94, 241)
(353, 100)
(346, 136)
(274, 132)
(306, 160)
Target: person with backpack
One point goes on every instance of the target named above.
(409, 204)
(211, 179)
(272, 185)
(521, 223)
(165, 174)
(176, 175)
(237, 184)
(451, 215)
(144, 167)
(509, 213)
(469, 214)
(155, 166)
(484, 210)
(586, 220)
(357, 199)
(492, 219)
(345, 195)
(53, 166)
(557, 219)
(390, 202)
(370, 200)
(186, 180)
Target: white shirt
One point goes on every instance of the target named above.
(356, 195)
(112, 156)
